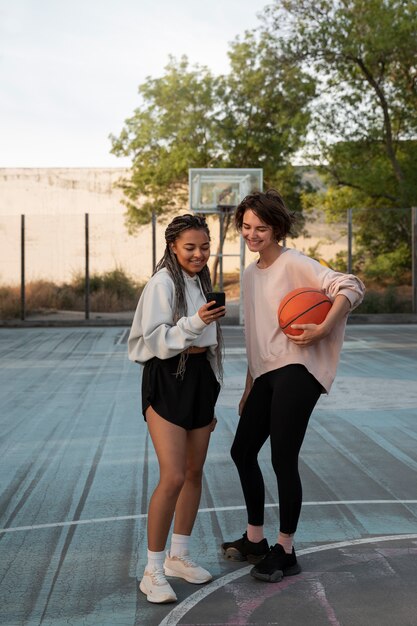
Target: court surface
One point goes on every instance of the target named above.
(77, 469)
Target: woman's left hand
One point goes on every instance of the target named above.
(316, 332)
(213, 424)
(312, 334)
(209, 315)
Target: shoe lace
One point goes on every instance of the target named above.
(158, 577)
(187, 561)
(274, 553)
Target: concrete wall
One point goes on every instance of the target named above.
(54, 201)
(57, 191)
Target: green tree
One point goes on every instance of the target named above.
(254, 116)
(363, 57)
(264, 107)
(173, 129)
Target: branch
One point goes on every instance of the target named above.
(344, 183)
(389, 143)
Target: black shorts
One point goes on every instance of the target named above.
(187, 402)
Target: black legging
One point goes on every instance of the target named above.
(278, 406)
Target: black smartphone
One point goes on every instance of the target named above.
(218, 296)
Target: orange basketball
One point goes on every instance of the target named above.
(302, 306)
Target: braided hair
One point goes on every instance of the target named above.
(169, 260)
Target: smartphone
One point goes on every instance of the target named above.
(218, 296)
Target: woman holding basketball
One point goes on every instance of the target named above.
(285, 377)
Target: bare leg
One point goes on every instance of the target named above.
(189, 498)
(170, 443)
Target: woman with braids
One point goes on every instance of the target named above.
(178, 340)
(285, 377)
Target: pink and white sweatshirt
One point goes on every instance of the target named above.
(267, 346)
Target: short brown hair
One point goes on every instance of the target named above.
(270, 208)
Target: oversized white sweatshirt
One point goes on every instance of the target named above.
(153, 332)
(267, 346)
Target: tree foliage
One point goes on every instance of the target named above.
(254, 116)
(173, 128)
(341, 72)
(363, 56)
(264, 106)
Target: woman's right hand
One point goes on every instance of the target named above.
(209, 316)
(246, 391)
(243, 402)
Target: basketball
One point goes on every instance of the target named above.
(302, 306)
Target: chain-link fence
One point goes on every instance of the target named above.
(66, 266)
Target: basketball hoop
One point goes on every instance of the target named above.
(226, 208)
(218, 191)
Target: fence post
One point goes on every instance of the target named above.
(414, 256)
(221, 236)
(87, 269)
(241, 270)
(349, 259)
(153, 240)
(22, 269)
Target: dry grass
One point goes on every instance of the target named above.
(9, 302)
(115, 292)
(111, 292)
(231, 285)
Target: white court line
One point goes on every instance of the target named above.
(189, 603)
(121, 518)
(347, 346)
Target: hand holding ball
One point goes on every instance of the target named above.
(302, 306)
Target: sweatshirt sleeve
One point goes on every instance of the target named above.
(160, 336)
(333, 283)
(348, 285)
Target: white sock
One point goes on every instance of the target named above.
(155, 561)
(179, 545)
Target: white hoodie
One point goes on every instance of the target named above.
(153, 332)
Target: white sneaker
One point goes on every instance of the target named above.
(156, 587)
(184, 567)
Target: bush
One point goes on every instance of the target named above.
(9, 302)
(389, 266)
(387, 301)
(109, 292)
(117, 282)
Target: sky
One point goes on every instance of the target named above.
(70, 70)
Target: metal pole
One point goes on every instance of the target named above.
(349, 259)
(241, 270)
(414, 256)
(153, 241)
(87, 270)
(22, 268)
(221, 235)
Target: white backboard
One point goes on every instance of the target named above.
(212, 188)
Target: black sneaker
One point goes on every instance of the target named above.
(245, 550)
(275, 565)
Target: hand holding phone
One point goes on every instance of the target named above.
(216, 310)
(218, 296)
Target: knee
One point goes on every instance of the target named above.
(194, 475)
(283, 466)
(172, 483)
(235, 454)
(242, 457)
(277, 466)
